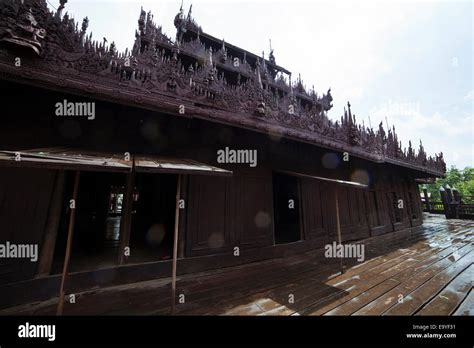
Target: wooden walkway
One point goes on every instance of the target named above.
(426, 270)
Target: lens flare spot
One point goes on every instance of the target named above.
(150, 130)
(215, 241)
(361, 176)
(330, 160)
(262, 219)
(155, 234)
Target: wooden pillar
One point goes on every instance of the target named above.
(456, 203)
(72, 218)
(126, 220)
(51, 230)
(445, 201)
(339, 236)
(182, 217)
(175, 246)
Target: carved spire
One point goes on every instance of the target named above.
(85, 25)
(112, 49)
(291, 85)
(223, 52)
(210, 57)
(189, 12)
(59, 12)
(259, 78)
(271, 56)
(141, 22)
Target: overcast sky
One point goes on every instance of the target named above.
(408, 61)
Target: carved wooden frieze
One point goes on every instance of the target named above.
(254, 93)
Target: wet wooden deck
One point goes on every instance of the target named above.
(421, 271)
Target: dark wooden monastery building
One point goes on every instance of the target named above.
(96, 146)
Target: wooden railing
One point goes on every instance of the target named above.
(452, 204)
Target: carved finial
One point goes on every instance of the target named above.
(271, 56)
(210, 56)
(112, 48)
(259, 78)
(190, 11)
(59, 12)
(85, 24)
(291, 86)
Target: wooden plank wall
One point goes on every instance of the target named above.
(25, 196)
(228, 212)
(229, 207)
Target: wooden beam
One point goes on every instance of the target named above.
(126, 220)
(339, 237)
(51, 230)
(336, 181)
(175, 246)
(72, 218)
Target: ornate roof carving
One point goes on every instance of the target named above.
(157, 73)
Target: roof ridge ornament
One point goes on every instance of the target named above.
(190, 12)
(135, 69)
(24, 31)
(60, 9)
(271, 56)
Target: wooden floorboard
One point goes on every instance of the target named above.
(410, 282)
(365, 280)
(426, 270)
(467, 306)
(451, 296)
(415, 300)
(231, 298)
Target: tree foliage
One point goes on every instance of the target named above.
(462, 180)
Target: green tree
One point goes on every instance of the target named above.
(462, 180)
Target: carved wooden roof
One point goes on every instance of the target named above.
(163, 74)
